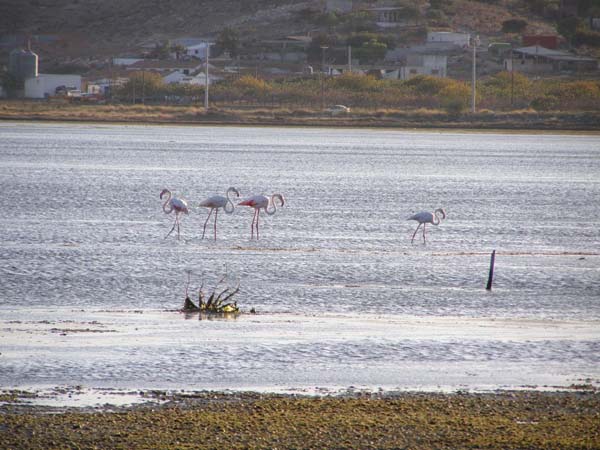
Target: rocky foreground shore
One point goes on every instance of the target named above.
(506, 420)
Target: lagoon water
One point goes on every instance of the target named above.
(90, 286)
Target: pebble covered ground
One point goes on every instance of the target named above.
(249, 420)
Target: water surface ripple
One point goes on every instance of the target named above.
(345, 298)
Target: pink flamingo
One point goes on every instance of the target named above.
(260, 201)
(218, 201)
(425, 217)
(173, 204)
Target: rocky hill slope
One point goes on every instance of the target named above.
(97, 28)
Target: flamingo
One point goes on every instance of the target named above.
(173, 204)
(260, 201)
(425, 217)
(218, 201)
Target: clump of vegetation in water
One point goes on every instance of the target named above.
(217, 302)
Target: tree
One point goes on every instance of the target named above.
(228, 40)
(142, 84)
(161, 51)
(178, 49)
(10, 83)
(567, 27)
(514, 26)
(314, 52)
(371, 51)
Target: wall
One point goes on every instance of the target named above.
(45, 84)
(460, 39)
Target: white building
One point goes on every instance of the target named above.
(433, 65)
(125, 61)
(194, 47)
(197, 51)
(390, 17)
(45, 85)
(458, 39)
(196, 80)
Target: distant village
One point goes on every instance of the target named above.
(205, 60)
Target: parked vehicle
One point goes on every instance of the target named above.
(338, 109)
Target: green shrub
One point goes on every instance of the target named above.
(586, 37)
(546, 103)
(514, 26)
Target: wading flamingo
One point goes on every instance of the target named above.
(215, 203)
(425, 217)
(260, 201)
(173, 204)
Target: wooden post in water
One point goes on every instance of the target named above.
(491, 274)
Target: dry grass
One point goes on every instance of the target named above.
(384, 117)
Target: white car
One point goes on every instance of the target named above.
(338, 109)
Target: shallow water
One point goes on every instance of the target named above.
(345, 298)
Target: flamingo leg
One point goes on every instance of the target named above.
(173, 228)
(424, 225)
(216, 213)
(252, 224)
(415, 233)
(204, 231)
(257, 217)
(177, 221)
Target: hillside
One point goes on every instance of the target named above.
(111, 26)
(70, 34)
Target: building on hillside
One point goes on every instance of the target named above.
(167, 66)
(197, 79)
(340, 6)
(550, 41)
(105, 86)
(390, 16)
(432, 65)
(194, 47)
(288, 49)
(47, 85)
(449, 37)
(540, 60)
(125, 61)
(399, 55)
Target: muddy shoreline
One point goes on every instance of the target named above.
(512, 419)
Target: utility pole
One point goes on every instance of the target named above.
(206, 79)
(323, 48)
(474, 43)
(512, 79)
(350, 58)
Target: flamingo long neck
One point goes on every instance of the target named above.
(272, 202)
(229, 207)
(438, 218)
(168, 203)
